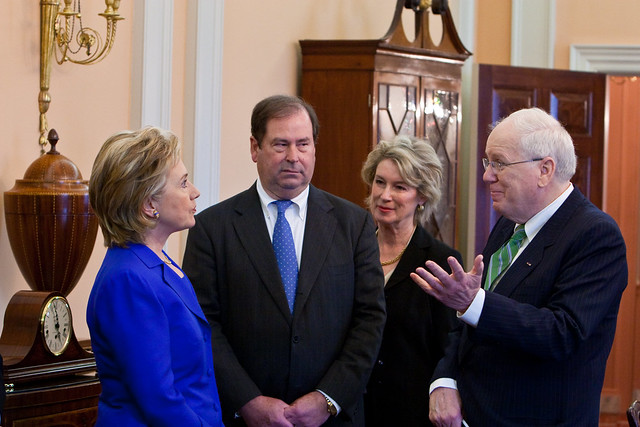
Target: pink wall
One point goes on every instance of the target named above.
(261, 57)
(493, 32)
(88, 103)
(594, 22)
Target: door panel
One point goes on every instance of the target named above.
(576, 99)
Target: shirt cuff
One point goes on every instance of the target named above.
(472, 316)
(443, 382)
(332, 401)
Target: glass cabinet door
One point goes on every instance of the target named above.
(441, 124)
(396, 110)
(424, 108)
(396, 106)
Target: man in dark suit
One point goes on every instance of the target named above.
(534, 343)
(2, 391)
(306, 360)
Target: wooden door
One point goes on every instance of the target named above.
(622, 197)
(576, 99)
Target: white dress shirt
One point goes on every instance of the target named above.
(296, 216)
(472, 315)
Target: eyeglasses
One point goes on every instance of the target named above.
(499, 166)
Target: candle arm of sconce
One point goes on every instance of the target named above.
(48, 15)
(52, 36)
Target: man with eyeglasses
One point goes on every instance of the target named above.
(538, 308)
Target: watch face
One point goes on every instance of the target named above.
(56, 325)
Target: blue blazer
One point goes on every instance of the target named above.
(152, 344)
(538, 354)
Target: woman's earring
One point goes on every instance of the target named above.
(156, 214)
(420, 208)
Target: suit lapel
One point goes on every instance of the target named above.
(179, 286)
(533, 254)
(318, 236)
(528, 260)
(186, 294)
(253, 235)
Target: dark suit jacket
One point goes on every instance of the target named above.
(331, 340)
(538, 354)
(414, 340)
(151, 343)
(2, 391)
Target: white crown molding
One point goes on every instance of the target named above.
(533, 25)
(610, 59)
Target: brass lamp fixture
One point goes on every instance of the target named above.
(58, 33)
(418, 5)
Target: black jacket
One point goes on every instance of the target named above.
(414, 339)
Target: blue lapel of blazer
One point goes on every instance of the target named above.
(252, 232)
(319, 230)
(183, 289)
(533, 254)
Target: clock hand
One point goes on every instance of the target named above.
(55, 312)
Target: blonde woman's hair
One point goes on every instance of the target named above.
(419, 167)
(130, 169)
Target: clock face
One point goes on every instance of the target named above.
(56, 325)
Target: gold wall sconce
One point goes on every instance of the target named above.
(62, 32)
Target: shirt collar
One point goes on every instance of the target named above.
(533, 226)
(300, 200)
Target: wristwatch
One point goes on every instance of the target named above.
(331, 408)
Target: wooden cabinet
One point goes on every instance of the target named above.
(70, 401)
(368, 90)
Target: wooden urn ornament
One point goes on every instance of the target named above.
(52, 231)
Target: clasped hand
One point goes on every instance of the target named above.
(308, 410)
(456, 290)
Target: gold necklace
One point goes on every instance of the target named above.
(397, 258)
(166, 259)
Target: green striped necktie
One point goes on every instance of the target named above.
(501, 259)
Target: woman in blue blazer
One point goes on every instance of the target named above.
(151, 341)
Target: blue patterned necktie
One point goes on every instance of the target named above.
(501, 259)
(285, 252)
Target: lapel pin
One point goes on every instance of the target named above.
(528, 264)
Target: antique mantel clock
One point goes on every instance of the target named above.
(52, 231)
(38, 340)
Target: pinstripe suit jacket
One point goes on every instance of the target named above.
(332, 338)
(539, 351)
